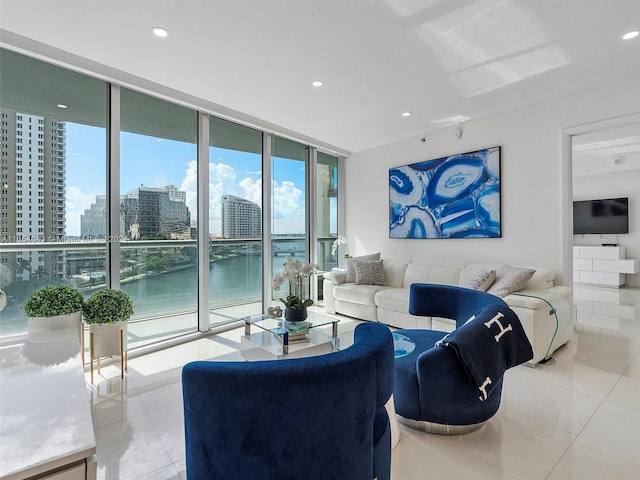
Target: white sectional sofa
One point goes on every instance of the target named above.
(544, 309)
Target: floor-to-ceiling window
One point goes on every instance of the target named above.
(326, 215)
(289, 203)
(158, 213)
(53, 181)
(106, 187)
(235, 216)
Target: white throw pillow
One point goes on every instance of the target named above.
(482, 280)
(510, 279)
(351, 267)
(370, 273)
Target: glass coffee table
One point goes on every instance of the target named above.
(286, 333)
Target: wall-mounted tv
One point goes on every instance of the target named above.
(607, 215)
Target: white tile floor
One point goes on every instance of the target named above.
(576, 417)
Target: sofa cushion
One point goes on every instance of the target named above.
(370, 273)
(394, 271)
(362, 294)
(423, 272)
(482, 280)
(351, 265)
(541, 280)
(394, 299)
(510, 279)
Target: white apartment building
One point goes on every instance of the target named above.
(241, 218)
(33, 191)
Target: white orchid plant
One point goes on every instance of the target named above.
(341, 240)
(296, 272)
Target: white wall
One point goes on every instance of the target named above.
(611, 185)
(534, 182)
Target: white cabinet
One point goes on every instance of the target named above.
(47, 430)
(602, 265)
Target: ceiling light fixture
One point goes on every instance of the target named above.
(61, 105)
(630, 35)
(160, 32)
(317, 83)
(406, 114)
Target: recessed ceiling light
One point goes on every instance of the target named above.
(630, 35)
(317, 83)
(160, 32)
(61, 105)
(406, 114)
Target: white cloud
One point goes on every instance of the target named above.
(288, 208)
(288, 200)
(252, 190)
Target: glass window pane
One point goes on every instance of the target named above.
(53, 168)
(326, 214)
(158, 206)
(235, 217)
(289, 203)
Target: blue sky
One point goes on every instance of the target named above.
(156, 162)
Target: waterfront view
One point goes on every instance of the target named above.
(65, 202)
(164, 282)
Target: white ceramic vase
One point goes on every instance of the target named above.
(105, 338)
(46, 324)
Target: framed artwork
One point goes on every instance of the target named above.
(449, 197)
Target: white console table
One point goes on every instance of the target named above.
(46, 427)
(602, 265)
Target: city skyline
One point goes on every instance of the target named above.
(155, 162)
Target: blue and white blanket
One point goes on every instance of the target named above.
(489, 343)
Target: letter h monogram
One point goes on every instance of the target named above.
(496, 320)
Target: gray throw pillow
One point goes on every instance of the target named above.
(510, 279)
(351, 266)
(370, 273)
(482, 280)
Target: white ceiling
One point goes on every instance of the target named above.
(609, 150)
(442, 60)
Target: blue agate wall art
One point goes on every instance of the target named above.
(449, 197)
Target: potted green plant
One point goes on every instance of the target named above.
(107, 313)
(54, 307)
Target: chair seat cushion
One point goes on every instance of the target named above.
(441, 392)
(406, 390)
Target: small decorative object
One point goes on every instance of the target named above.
(293, 314)
(297, 273)
(341, 240)
(274, 312)
(449, 197)
(54, 307)
(107, 313)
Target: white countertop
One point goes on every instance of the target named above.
(45, 415)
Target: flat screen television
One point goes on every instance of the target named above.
(607, 215)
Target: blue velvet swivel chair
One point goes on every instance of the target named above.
(319, 417)
(452, 383)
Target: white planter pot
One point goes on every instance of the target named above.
(46, 324)
(105, 339)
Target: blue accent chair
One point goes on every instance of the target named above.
(433, 389)
(320, 417)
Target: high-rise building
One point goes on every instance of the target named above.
(93, 222)
(146, 212)
(32, 169)
(241, 218)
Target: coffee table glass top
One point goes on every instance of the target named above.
(279, 326)
(402, 345)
